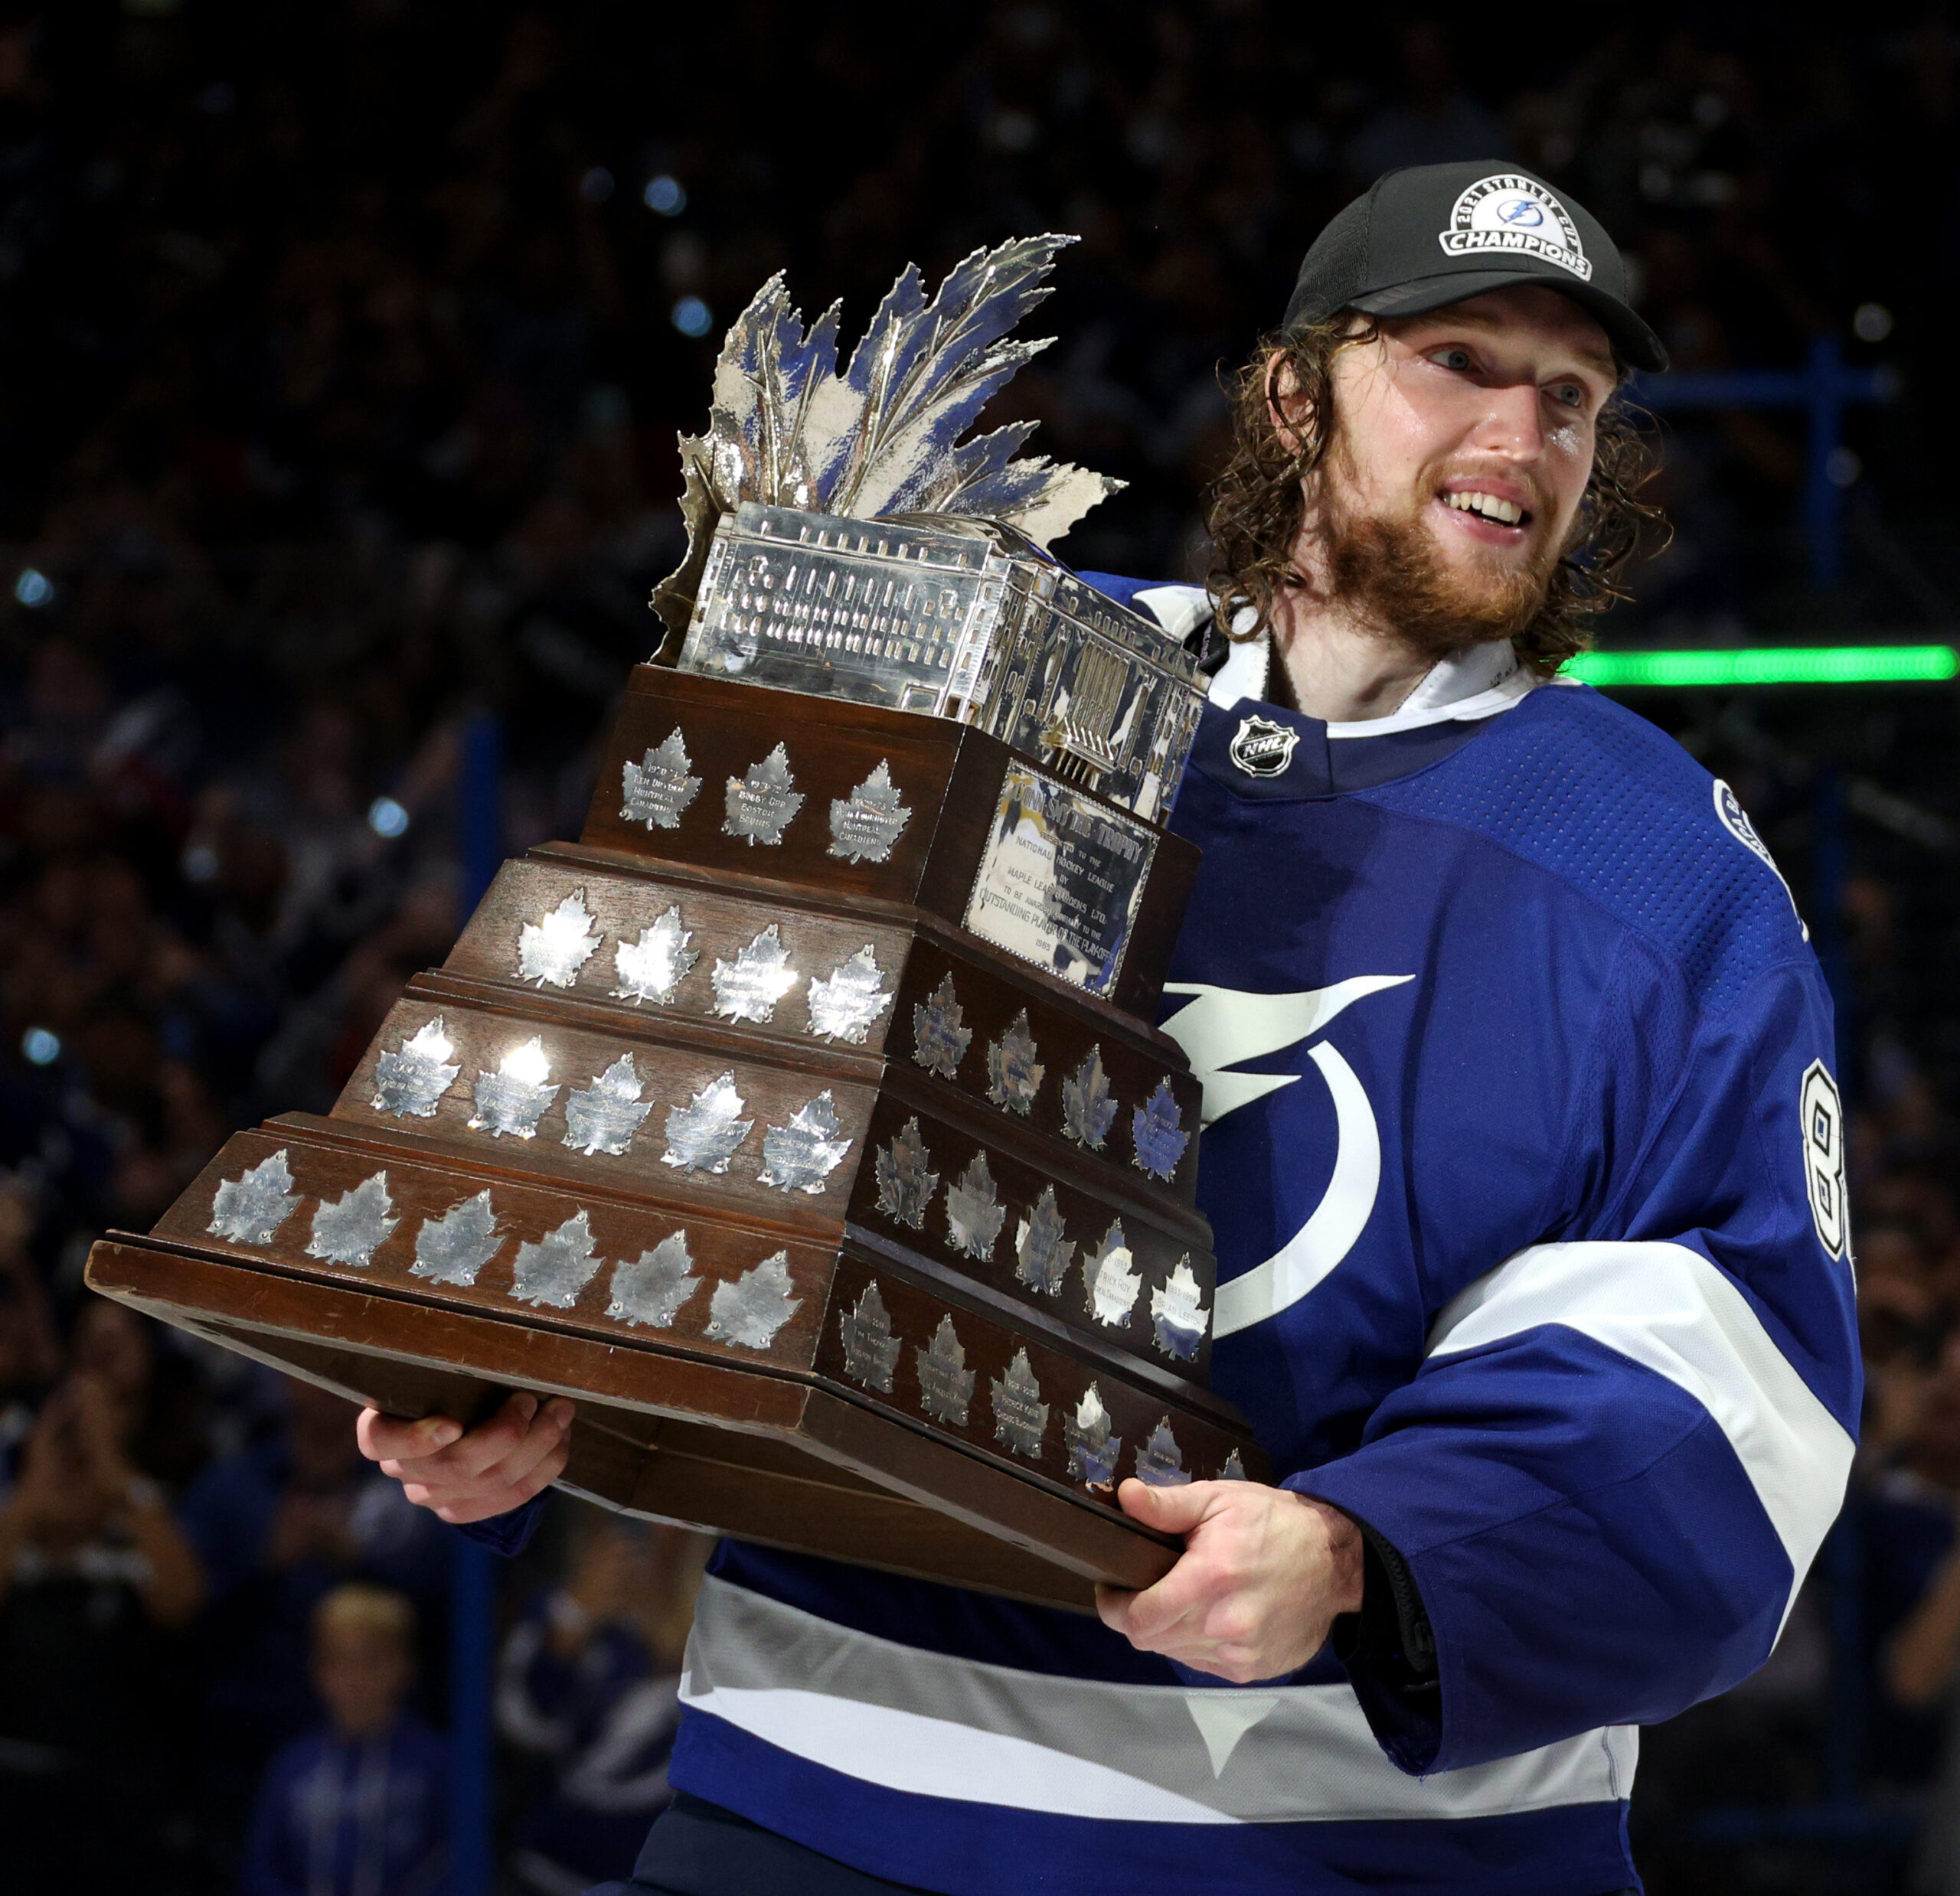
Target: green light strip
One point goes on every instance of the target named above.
(1767, 664)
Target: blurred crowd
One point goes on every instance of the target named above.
(344, 347)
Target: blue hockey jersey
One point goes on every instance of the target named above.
(1525, 1165)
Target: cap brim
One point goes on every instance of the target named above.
(1634, 343)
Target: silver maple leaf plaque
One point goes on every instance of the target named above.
(762, 804)
(945, 1384)
(650, 968)
(940, 1035)
(865, 825)
(249, 1208)
(649, 1290)
(799, 1156)
(1043, 1253)
(1178, 1313)
(1093, 1449)
(1020, 1417)
(409, 1081)
(1088, 1111)
(847, 1002)
(1014, 1074)
(510, 1102)
(905, 1180)
(1234, 1469)
(750, 1311)
(349, 1229)
(604, 1116)
(1157, 1131)
(703, 1135)
(550, 1273)
(552, 950)
(1160, 1461)
(453, 1249)
(748, 987)
(1113, 1285)
(974, 1213)
(871, 1350)
(656, 791)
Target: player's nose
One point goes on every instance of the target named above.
(1511, 422)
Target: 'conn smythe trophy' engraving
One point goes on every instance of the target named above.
(804, 1122)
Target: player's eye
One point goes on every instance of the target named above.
(1569, 394)
(1453, 356)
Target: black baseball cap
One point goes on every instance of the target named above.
(1429, 235)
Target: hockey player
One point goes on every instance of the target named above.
(1525, 1169)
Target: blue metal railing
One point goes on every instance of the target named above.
(472, 1579)
(1824, 387)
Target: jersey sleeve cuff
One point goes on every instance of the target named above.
(1389, 1649)
(509, 1534)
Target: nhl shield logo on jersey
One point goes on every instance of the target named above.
(1507, 211)
(1261, 747)
(1734, 818)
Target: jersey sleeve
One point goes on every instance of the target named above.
(1624, 1445)
(508, 1535)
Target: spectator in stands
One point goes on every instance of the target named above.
(359, 1808)
(587, 1683)
(97, 1584)
(278, 1527)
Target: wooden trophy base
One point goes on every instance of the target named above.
(798, 1463)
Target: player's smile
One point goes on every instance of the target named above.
(1489, 510)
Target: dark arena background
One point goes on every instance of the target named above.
(343, 346)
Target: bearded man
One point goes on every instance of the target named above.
(1526, 1169)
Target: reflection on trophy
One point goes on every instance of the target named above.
(803, 1121)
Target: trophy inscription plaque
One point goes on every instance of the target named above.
(802, 1120)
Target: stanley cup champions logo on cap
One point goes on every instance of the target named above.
(1507, 212)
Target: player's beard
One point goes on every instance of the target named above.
(1387, 570)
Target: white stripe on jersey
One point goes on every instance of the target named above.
(935, 1726)
(1666, 1307)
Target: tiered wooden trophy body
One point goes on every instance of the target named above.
(848, 1230)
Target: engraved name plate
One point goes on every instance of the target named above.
(650, 968)
(409, 1081)
(845, 1004)
(703, 1135)
(553, 949)
(1088, 1111)
(1014, 1074)
(1157, 1134)
(604, 1116)
(250, 1208)
(865, 825)
(1113, 1285)
(550, 1273)
(349, 1229)
(905, 1180)
(510, 1102)
(1178, 1313)
(940, 1036)
(945, 1384)
(755, 1306)
(871, 1350)
(748, 987)
(1060, 879)
(1160, 1461)
(656, 791)
(1020, 1417)
(651, 1289)
(799, 1156)
(1093, 1449)
(1043, 1254)
(974, 1213)
(452, 1249)
(762, 804)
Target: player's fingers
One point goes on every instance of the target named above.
(1169, 1510)
(392, 1438)
(547, 1436)
(480, 1449)
(549, 1467)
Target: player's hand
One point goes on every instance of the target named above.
(471, 1474)
(1263, 1573)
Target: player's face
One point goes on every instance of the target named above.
(1475, 424)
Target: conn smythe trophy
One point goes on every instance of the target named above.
(803, 1121)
